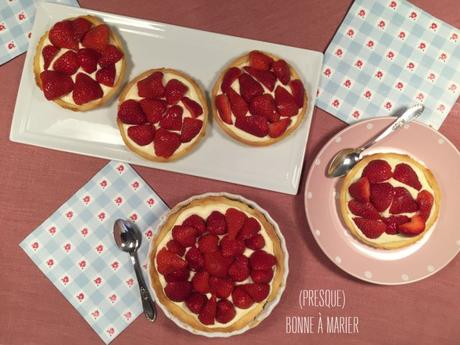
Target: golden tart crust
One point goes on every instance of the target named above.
(244, 59)
(249, 319)
(204, 117)
(352, 176)
(114, 39)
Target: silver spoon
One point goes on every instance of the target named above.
(128, 238)
(346, 159)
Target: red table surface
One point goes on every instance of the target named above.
(34, 312)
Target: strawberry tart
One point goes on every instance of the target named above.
(389, 200)
(79, 63)
(218, 265)
(162, 114)
(259, 99)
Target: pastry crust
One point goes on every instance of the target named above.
(114, 39)
(244, 59)
(400, 241)
(248, 320)
(179, 153)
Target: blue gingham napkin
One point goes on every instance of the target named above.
(387, 55)
(16, 20)
(75, 248)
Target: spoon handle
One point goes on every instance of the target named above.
(410, 114)
(147, 303)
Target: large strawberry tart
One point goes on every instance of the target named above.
(162, 114)
(79, 63)
(259, 99)
(217, 264)
(389, 200)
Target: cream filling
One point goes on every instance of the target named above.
(387, 238)
(204, 212)
(248, 136)
(68, 98)
(191, 93)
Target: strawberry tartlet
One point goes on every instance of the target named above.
(79, 63)
(162, 114)
(218, 265)
(389, 200)
(259, 99)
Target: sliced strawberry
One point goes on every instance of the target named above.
(153, 109)
(97, 37)
(298, 92)
(175, 247)
(110, 55)
(224, 108)
(414, 227)
(360, 190)
(216, 264)
(262, 276)
(425, 203)
(254, 124)
(402, 201)
(255, 242)
(216, 224)
(142, 134)
(381, 196)
(261, 260)
(221, 287)
(393, 222)
(168, 261)
(282, 71)
(174, 91)
(258, 292)
(178, 291)
(177, 276)
(239, 269)
(208, 243)
(194, 108)
(264, 105)
(235, 220)
(238, 105)
(259, 60)
(249, 88)
(195, 302)
(241, 298)
(194, 258)
(230, 76)
(190, 129)
(225, 311)
(277, 129)
(197, 222)
(370, 228)
(55, 84)
(365, 210)
(86, 89)
(130, 113)
(165, 143)
(172, 120)
(208, 313)
(80, 26)
(62, 35)
(49, 52)
(405, 174)
(151, 86)
(87, 59)
(67, 63)
(184, 235)
(250, 228)
(106, 75)
(377, 170)
(231, 247)
(266, 78)
(200, 282)
(285, 102)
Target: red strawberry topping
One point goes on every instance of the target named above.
(282, 71)
(208, 243)
(262, 276)
(142, 134)
(180, 275)
(229, 77)
(80, 27)
(86, 89)
(165, 143)
(151, 86)
(365, 210)
(62, 35)
(49, 52)
(178, 291)
(261, 260)
(425, 203)
(97, 37)
(377, 170)
(277, 129)
(405, 174)
(224, 108)
(153, 109)
(264, 105)
(174, 91)
(184, 235)
(190, 129)
(235, 220)
(106, 75)
(172, 119)
(216, 224)
(231, 247)
(225, 311)
(110, 55)
(360, 190)
(67, 63)
(239, 269)
(255, 242)
(221, 287)
(414, 227)
(194, 108)
(208, 313)
(254, 124)
(259, 60)
(402, 201)
(238, 105)
(130, 113)
(381, 195)
(258, 292)
(249, 88)
(298, 91)
(370, 228)
(194, 258)
(285, 102)
(216, 264)
(197, 222)
(174, 247)
(393, 222)
(195, 302)
(55, 84)
(250, 228)
(200, 282)
(87, 59)
(168, 261)
(241, 298)
(266, 78)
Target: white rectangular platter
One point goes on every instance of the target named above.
(200, 54)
